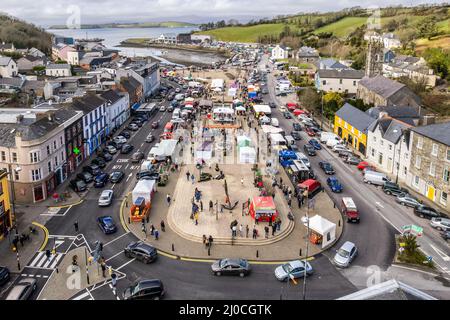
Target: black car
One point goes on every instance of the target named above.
(145, 290)
(287, 115)
(394, 189)
(106, 156)
(137, 156)
(4, 275)
(427, 212)
(106, 224)
(352, 160)
(78, 185)
(126, 149)
(139, 122)
(235, 267)
(309, 149)
(92, 169)
(272, 105)
(99, 162)
(141, 251)
(85, 176)
(125, 134)
(100, 180)
(147, 175)
(116, 176)
(297, 126)
(445, 235)
(326, 167)
(296, 135)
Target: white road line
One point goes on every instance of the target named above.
(55, 262)
(127, 165)
(112, 257)
(115, 239)
(38, 257)
(129, 176)
(125, 264)
(81, 296)
(142, 144)
(112, 187)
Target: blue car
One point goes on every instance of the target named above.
(334, 184)
(101, 180)
(315, 144)
(106, 224)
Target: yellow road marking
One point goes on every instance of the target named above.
(122, 220)
(44, 243)
(67, 205)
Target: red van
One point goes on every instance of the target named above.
(350, 210)
(313, 187)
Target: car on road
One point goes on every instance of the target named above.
(362, 165)
(287, 115)
(334, 184)
(391, 188)
(85, 176)
(92, 169)
(162, 108)
(272, 105)
(345, 154)
(293, 269)
(315, 144)
(310, 132)
(345, 254)
(125, 134)
(137, 156)
(155, 124)
(120, 139)
(309, 149)
(232, 267)
(106, 224)
(408, 200)
(441, 224)
(126, 149)
(426, 212)
(326, 167)
(282, 109)
(445, 235)
(303, 158)
(4, 275)
(297, 126)
(78, 185)
(99, 162)
(352, 160)
(106, 156)
(145, 290)
(105, 198)
(139, 122)
(170, 108)
(177, 90)
(116, 176)
(141, 251)
(100, 180)
(339, 148)
(296, 135)
(133, 127)
(111, 149)
(23, 289)
(150, 138)
(264, 91)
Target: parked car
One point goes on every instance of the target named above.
(137, 156)
(139, 122)
(141, 251)
(23, 289)
(145, 290)
(296, 135)
(392, 188)
(345, 154)
(352, 160)
(126, 149)
(85, 176)
(362, 165)
(155, 124)
(105, 198)
(78, 185)
(111, 149)
(287, 115)
(339, 148)
(106, 224)
(162, 108)
(116, 176)
(408, 200)
(315, 144)
(230, 267)
(427, 212)
(309, 149)
(133, 127)
(293, 269)
(4, 275)
(376, 178)
(442, 224)
(119, 139)
(106, 156)
(100, 180)
(445, 235)
(326, 167)
(126, 134)
(297, 126)
(310, 132)
(334, 184)
(99, 162)
(150, 138)
(345, 255)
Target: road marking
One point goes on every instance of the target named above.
(142, 144)
(440, 253)
(122, 221)
(379, 205)
(122, 160)
(115, 239)
(112, 257)
(58, 243)
(127, 165)
(125, 264)
(129, 176)
(117, 167)
(112, 187)
(44, 243)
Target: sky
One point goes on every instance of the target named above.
(48, 12)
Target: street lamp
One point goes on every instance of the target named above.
(307, 246)
(397, 164)
(13, 198)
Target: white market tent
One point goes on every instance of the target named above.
(323, 227)
(271, 129)
(144, 188)
(223, 110)
(243, 141)
(247, 155)
(232, 92)
(168, 147)
(262, 108)
(217, 83)
(240, 108)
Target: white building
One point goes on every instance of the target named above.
(388, 146)
(147, 73)
(58, 70)
(280, 52)
(167, 38)
(8, 67)
(389, 40)
(117, 108)
(345, 80)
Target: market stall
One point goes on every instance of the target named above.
(322, 231)
(263, 209)
(223, 114)
(247, 155)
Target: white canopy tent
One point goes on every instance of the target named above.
(324, 227)
(217, 83)
(262, 108)
(271, 129)
(247, 155)
(144, 188)
(240, 108)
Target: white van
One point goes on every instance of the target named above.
(301, 156)
(324, 136)
(176, 113)
(332, 142)
(290, 140)
(376, 178)
(274, 122)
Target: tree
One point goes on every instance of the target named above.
(332, 102)
(310, 99)
(428, 28)
(439, 60)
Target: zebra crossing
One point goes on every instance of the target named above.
(84, 296)
(41, 261)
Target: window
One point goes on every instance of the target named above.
(62, 156)
(373, 152)
(380, 158)
(382, 142)
(419, 142)
(34, 157)
(446, 175)
(61, 140)
(1, 191)
(54, 145)
(36, 174)
(56, 161)
(14, 157)
(49, 164)
(418, 162)
(96, 113)
(444, 197)
(416, 180)
(85, 121)
(405, 171)
(354, 83)
(390, 147)
(340, 81)
(435, 150)
(324, 82)
(374, 139)
(16, 175)
(448, 154)
(3, 156)
(432, 169)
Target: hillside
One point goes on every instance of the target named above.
(343, 27)
(247, 33)
(23, 34)
(165, 24)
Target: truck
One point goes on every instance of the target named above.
(141, 196)
(350, 210)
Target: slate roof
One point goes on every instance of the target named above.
(391, 129)
(58, 66)
(111, 96)
(396, 112)
(381, 85)
(4, 61)
(341, 74)
(439, 132)
(331, 64)
(87, 103)
(13, 82)
(355, 117)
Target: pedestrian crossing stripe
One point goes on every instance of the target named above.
(122, 160)
(83, 296)
(41, 261)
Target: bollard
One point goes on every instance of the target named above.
(339, 223)
(173, 247)
(334, 204)
(209, 251)
(129, 220)
(257, 253)
(300, 253)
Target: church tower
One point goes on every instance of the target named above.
(374, 58)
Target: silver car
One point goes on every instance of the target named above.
(22, 290)
(105, 198)
(345, 255)
(440, 223)
(111, 149)
(407, 200)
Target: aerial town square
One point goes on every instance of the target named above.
(189, 151)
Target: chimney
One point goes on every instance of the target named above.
(429, 119)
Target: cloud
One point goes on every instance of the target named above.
(45, 12)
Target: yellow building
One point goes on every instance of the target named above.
(5, 204)
(351, 124)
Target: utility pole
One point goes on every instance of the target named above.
(307, 247)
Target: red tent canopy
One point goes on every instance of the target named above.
(263, 209)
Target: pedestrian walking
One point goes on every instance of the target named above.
(201, 206)
(234, 231)
(152, 229)
(204, 239)
(193, 178)
(196, 218)
(210, 241)
(156, 232)
(163, 226)
(266, 230)
(211, 205)
(168, 200)
(255, 233)
(289, 202)
(242, 181)
(279, 225)
(247, 229)
(188, 175)
(274, 228)
(75, 224)
(241, 231)
(21, 239)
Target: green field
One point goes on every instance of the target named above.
(343, 27)
(245, 34)
(444, 26)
